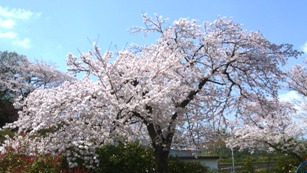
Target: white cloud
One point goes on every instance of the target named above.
(304, 47)
(16, 13)
(24, 43)
(9, 18)
(8, 23)
(9, 35)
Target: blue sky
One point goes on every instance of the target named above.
(49, 30)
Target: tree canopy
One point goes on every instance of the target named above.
(192, 75)
(19, 77)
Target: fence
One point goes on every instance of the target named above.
(239, 167)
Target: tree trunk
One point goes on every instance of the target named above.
(8, 113)
(161, 156)
(161, 145)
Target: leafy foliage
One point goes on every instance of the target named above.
(248, 167)
(121, 157)
(4, 133)
(14, 162)
(286, 164)
(176, 165)
(133, 157)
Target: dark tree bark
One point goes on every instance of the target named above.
(161, 145)
(8, 113)
(162, 141)
(161, 155)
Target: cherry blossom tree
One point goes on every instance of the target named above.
(297, 82)
(298, 78)
(191, 74)
(19, 77)
(275, 125)
(270, 126)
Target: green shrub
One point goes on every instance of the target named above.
(133, 157)
(121, 157)
(5, 132)
(248, 166)
(175, 166)
(13, 162)
(285, 164)
(44, 164)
